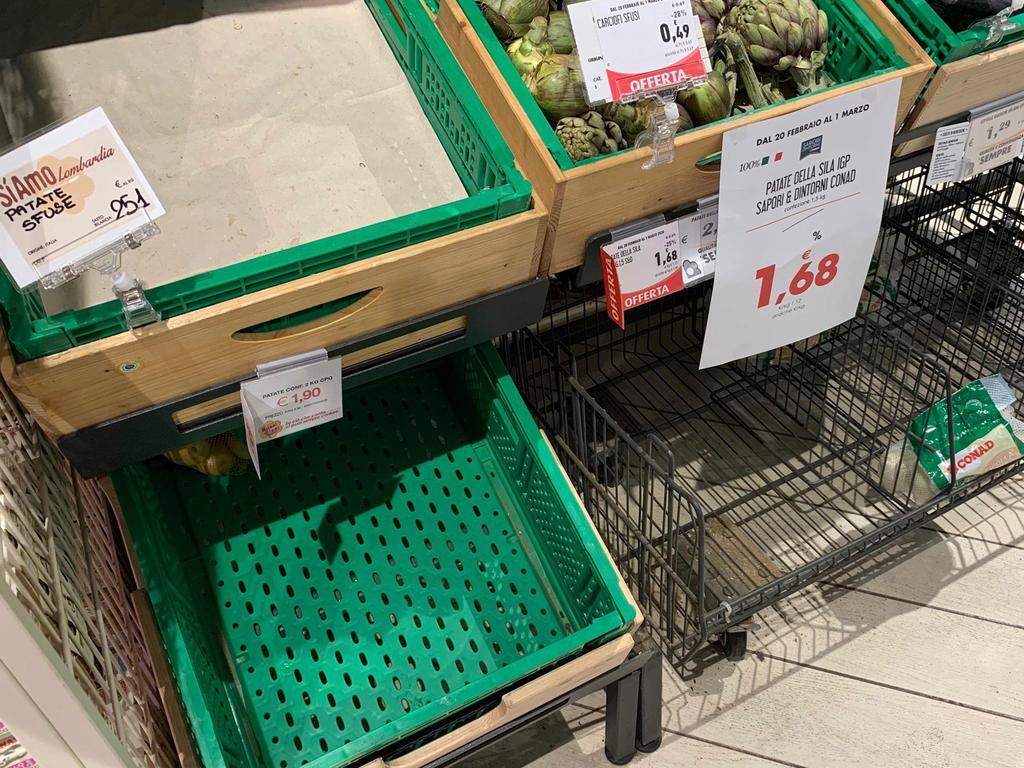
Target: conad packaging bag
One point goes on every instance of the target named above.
(985, 436)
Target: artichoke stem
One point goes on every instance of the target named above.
(745, 70)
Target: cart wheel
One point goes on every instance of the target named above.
(734, 644)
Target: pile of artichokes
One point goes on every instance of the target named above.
(764, 51)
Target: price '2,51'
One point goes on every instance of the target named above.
(802, 281)
(127, 204)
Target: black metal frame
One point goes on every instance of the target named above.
(822, 427)
(102, 448)
(632, 717)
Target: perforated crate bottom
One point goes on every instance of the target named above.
(366, 577)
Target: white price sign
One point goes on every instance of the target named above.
(800, 205)
(68, 194)
(698, 233)
(289, 396)
(665, 258)
(992, 137)
(629, 48)
(995, 138)
(641, 268)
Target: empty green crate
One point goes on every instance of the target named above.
(857, 49)
(392, 568)
(938, 38)
(473, 144)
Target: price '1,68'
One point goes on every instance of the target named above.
(805, 278)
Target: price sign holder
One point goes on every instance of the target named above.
(290, 395)
(1000, 25)
(991, 136)
(654, 257)
(51, 182)
(639, 49)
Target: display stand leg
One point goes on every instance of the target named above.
(648, 737)
(621, 719)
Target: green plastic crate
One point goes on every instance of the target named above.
(475, 147)
(392, 569)
(857, 50)
(938, 38)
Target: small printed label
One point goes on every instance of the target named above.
(948, 153)
(995, 138)
(698, 239)
(629, 48)
(290, 400)
(68, 194)
(641, 268)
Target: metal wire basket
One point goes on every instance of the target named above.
(721, 491)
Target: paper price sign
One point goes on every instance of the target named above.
(799, 207)
(994, 138)
(630, 48)
(289, 400)
(67, 195)
(641, 268)
(698, 234)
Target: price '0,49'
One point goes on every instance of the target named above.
(802, 281)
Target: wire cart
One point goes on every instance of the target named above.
(721, 491)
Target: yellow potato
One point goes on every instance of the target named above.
(220, 462)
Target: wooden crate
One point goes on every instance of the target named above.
(591, 198)
(965, 84)
(162, 362)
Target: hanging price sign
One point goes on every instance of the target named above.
(632, 48)
(658, 261)
(992, 137)
(698, 233)
(290, 395)
(995, 137)
(800, 205)
(641, 268)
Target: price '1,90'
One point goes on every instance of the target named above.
(295, 397)
(805, 278)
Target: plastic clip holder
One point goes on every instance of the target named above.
(999, 25)
(138, 310)
(660, 136)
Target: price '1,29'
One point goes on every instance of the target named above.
(806, 277)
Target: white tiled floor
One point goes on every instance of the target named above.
(915, 658)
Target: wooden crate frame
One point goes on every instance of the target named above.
(165, 361)
(962, 85)
(595, 197)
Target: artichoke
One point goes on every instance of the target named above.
(710, 13)
(589, 135)
(529, 50)
(560, 32)
(631, 119)
(714, 99)
(511, 18)
(786, 35)
(557, 85)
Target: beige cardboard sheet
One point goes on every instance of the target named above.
(259, 129)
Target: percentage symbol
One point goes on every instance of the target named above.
(817, 234)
